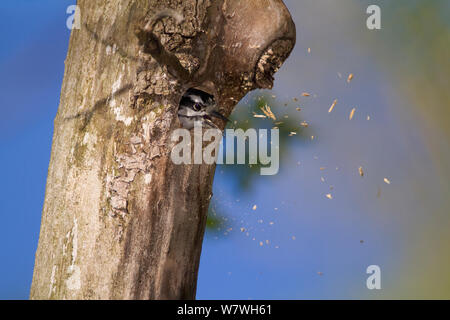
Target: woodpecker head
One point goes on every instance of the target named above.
(198, 106)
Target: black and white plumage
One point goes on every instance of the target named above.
(199, 107)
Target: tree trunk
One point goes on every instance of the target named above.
(120, 220)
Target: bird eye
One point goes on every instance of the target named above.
(197, 107)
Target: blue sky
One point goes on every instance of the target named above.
(32, 57)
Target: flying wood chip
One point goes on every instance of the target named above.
(332, 106)
(304, 124)
(350, 77)
(266, 110)
(352, 113)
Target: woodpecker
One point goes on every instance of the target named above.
(199, 107)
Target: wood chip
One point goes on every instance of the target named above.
(332, 106)
(352, 113)
(292, 134)
(266, 110)
(387, 181)
(259, 116)
(305, 94)
(350, 77)
(329, 196)
(309, 50)
(304, 124)
(361, 172)
(254, 207)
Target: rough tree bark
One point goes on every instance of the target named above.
(120, 220)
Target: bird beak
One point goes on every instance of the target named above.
(219, 116)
